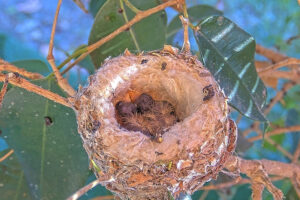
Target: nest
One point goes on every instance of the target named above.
(154, 124)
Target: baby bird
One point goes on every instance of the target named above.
(146, 115)
(144, 103)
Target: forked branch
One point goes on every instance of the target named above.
(5, 66)
(16, 80)
(259, 170)
(63, 83)
(138, 17)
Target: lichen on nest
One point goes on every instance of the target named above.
(185, 140)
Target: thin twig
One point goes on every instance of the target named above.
(296, 183)
(279, 95)
(83, 190)
(296, 153)
(232, 183)
(237, 121)
(291, 39)
(277, 131)
(270, 54)
(25, 84)
(276, 74)
(279, 148)
(61, 81)
(138, 17)
(3, 90)
(71, 65)
(81, 5)
(11, 68)
(286, 62)
(6, 155)
(185, 22)
(186, 43)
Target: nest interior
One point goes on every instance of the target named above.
(191, 149)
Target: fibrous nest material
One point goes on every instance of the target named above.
(154, 124)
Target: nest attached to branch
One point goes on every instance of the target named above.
(154, 124)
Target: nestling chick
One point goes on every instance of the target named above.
(125, 108)
(144, 103)
(147, 116)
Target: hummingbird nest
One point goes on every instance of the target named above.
(154, 124)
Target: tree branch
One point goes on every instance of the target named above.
(138, 17)
(25, 84)
(277, 131)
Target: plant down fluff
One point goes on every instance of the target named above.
(187, 153)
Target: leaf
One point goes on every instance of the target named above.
(228, 52)
(292, 194)
(196, 13)
(87, 61)
(146, 35)
(37, 66)
(12, 181)
(95, 5)
(278, 139)
(242, 192)
(44, 137)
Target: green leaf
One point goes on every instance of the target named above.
(95, 5)
(12, 181)
(146, 35)
(44, 137)
(242, 192)
(292, 194)
(196, 13)
(228, 52)
(37, 66)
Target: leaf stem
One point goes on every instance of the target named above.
(130, 30)
(25, 84)
(131, 6)
(76, 54)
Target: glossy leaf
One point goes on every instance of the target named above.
(196, 13)
(37, 66)
(95, 5)
(12, 181)
(228, 52)
(44, 137)
(148, 34)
